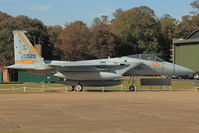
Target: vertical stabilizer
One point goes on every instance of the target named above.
(23, 49)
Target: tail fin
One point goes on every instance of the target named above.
(24, 51)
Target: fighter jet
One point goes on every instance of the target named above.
(99, 72)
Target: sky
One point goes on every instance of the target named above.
(60, 12)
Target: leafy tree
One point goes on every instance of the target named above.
(103, 20)
(189, 23)
(54, 42)
(138, 30)
(36, 32)
(104, 44)
(117, 11)
(195, 5)
(168, 27)
(75, 39)
(53, 33)
(3, 16)
(103, 41)
(4, 54)
(183, 29)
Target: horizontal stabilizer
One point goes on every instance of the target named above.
(30, 66)
(20, 66)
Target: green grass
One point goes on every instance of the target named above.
(52, 87)
(31, 87)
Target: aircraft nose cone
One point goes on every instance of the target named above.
(179, 70)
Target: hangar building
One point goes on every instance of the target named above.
(186, 51)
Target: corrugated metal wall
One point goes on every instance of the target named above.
(1, 77)
(188, 56)
(28, 77)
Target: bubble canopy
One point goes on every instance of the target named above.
(146, 57)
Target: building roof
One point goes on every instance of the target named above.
(192, 38)
(194, 35)
(186, 41)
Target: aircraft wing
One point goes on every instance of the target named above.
(83, 64)
(120, 67)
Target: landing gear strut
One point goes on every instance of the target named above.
(132, 87)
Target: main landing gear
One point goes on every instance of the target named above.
(132, 87)
(78, 87)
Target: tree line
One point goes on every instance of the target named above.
(133, 31)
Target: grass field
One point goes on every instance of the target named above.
(53, 87)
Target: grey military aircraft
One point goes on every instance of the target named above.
(100, 72)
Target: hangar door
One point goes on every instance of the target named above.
(187, 56)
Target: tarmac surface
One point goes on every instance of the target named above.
(102, 112)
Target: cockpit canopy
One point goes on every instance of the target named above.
(146, 57)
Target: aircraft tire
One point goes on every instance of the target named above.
(78, 87)
(196, 76)
(132, 88)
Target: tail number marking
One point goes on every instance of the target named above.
(29, 56)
